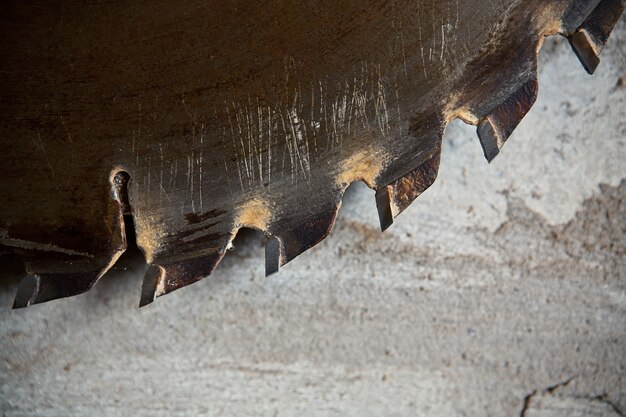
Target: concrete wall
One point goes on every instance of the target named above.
(500, 292)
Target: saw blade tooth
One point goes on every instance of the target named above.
(495, 128)
(283, 246)
(584, 49)
(394, 198)
(163, 278)
(151, 282)
(39, 288)
(589, 39)
(273, 255)
(384, 207)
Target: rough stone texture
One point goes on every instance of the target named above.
(500, 292)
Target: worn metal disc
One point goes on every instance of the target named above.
(199, 118)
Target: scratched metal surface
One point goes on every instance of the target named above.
(230, 115)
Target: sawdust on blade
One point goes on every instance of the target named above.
(364, 166)
(254, 214)
(149, 235)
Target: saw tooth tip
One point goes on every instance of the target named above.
(149, 289)
(584, 50)
(496, 127)
(284, 245)
(590, 38)
(26, 292)
(383, 205)
(272, 256)
(163, 278)
(39, 288)
(397, 196)
(488, 140)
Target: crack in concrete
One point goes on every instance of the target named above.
(603, 398)
(548, 390)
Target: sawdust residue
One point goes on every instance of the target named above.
(452, 110)
(149, 234)
(255, 214)
(364, 166)
(547, 21)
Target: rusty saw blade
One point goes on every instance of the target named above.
(200, 118)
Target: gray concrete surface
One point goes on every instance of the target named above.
(500, 292)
